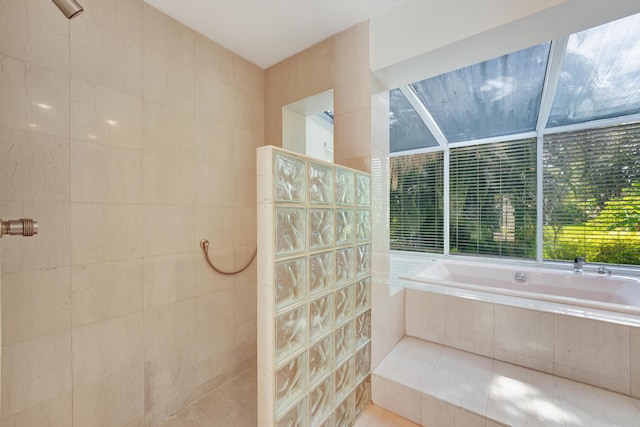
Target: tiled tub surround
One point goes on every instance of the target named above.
(314, 273)
(438, 386)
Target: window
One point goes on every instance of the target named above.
(493, 209)
(416, 203)
(506, 140)
(592, 195)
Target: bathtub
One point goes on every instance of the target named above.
(612, 293)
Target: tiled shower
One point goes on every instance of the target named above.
(314, 291)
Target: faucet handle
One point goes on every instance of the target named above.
(580, 260)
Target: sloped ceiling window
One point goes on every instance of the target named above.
(493, 98)
(600, 74)
(408, 131)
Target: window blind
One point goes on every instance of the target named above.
(592, 195)
(416, 197)
(493, 199)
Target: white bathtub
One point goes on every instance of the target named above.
(613, 293)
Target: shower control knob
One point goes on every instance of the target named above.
(19, 227)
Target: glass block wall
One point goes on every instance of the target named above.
(314, 295)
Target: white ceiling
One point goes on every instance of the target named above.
(268, 31)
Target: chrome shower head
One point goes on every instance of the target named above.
(70, 8)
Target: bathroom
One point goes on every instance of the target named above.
(130, 137)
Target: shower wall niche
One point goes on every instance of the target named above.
(314, 291)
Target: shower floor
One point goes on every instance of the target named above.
(235, 404)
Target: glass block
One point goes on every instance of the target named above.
(321, 359)
(363, 396)
(363, 294)
(289, 178)
(363, 227)
(363, 362)
(291, 332)
(363, 328)
(321, 401)
(345, 187)
(320, 228)
(345, 265)
(345, 226)
(290, 382)
(296, 417)
(345, 304)
(291, 230)
(327, 422)
(363, 190)
(363, 260)
(345, 412)
(345, 338)
(320, 183)
(320, 316)
(291, 282)
(321, 273)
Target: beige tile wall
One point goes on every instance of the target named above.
(340, 62)
(129, 137)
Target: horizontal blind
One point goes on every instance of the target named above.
(492, 199)
(416, 202)
(592, 195)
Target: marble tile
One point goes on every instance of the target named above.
(169, 278)
(215, 184)
(407, 371)
(168, 328)
(167, 81)
(168, 229)
(352, 91)
(48, 250)
(524, 337)
(52, 413)
(635, 362)
(460, 389)
(106, 348)
(215, 355)
(120, 16)
(216, 143)
(169, 376)
(35, 371)
(248, 76)
(105, 116)
(167, 180)
(168, 36)
(215, 59)
(106, 58)
(32, 32)
(468, 364)
(397, 398)
(425, 315)
(470, 325)
(375, 416)
(423, 351)
(167, 130)
(248, 111)
(33, 166)
(102, 174)
(105, 232)
(35, 303)
(246, 300)
(116, 401)
(33, 98)
(103, 291)
(438, 413)
(216, 224)
(213, 98)
(593, 352)
(215, 313)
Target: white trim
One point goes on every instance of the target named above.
(493, 140)
(539, 200)
(613, 121)
(554, 68)
(417, 151)
(446, 223)
(424, 114)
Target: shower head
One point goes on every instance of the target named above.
(70, 8)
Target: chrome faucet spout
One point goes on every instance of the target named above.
(578, 263)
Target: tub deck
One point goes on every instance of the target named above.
(431, 384)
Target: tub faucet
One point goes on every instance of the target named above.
(578, 263)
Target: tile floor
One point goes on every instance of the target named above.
(235, 404)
